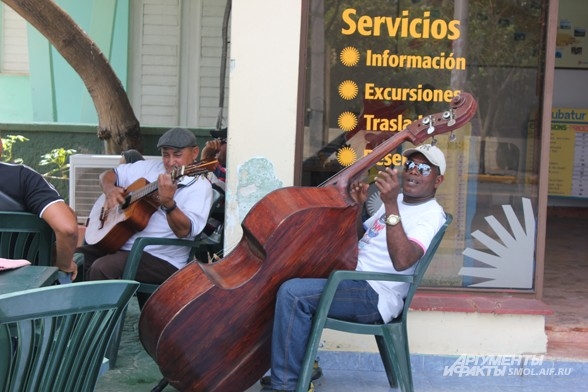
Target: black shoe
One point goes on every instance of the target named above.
(317, 372)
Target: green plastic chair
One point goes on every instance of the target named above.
(26, 236)
(54, 338)
(392, 338)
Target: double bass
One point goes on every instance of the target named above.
(209, 326)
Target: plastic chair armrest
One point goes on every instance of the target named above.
(139, 245)
(337, 276)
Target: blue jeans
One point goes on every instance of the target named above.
(296, 303)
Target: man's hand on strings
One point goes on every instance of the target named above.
(359, 192)
(167, 189)
(115, 198)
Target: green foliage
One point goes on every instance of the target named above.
(58, 158)
(8, 142)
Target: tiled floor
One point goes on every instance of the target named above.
(565, 289)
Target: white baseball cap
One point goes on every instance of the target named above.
(432, 153)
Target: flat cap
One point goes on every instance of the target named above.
(177, 138)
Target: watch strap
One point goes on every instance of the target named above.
(170, 209)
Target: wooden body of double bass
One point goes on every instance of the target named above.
(209, 326)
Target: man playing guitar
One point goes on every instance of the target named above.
(180, 207)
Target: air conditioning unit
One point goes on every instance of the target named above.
(84, 188)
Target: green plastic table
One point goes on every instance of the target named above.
(28, 277)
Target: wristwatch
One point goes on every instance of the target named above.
(392, 220)
(170, 209)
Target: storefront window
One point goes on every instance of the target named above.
(374, 66)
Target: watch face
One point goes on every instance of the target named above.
(392, 220)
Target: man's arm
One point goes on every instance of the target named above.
(403, 252)
(114, 194)
(211, 148)
(177, 220)
(64, 223)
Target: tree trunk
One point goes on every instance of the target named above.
(117, 124)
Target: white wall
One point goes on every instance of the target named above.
(456, 333)
(263, 79)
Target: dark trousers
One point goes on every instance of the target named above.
(99, 265)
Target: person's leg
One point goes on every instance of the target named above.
(111, 266)
(296, 303)
(153, 269)
(89, 254)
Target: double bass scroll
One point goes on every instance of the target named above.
(209, 326)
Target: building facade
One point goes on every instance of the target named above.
(314, 85)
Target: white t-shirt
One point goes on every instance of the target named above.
(420, 222)
(193, 197)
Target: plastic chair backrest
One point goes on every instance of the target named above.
(54, 338)
(423, 264)
(26, 236)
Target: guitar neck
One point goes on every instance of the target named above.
(143, 192)
(193, 170)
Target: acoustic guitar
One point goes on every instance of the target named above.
(109, 229)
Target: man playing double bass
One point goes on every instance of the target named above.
(391, 241)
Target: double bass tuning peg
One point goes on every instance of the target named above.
(429, 121)
(449, 115)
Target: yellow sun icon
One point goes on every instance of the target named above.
(348, 89)
(347, 121)
(346, 156)
(349, 56)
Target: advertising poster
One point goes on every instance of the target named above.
(571, 50)
(568, 156)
